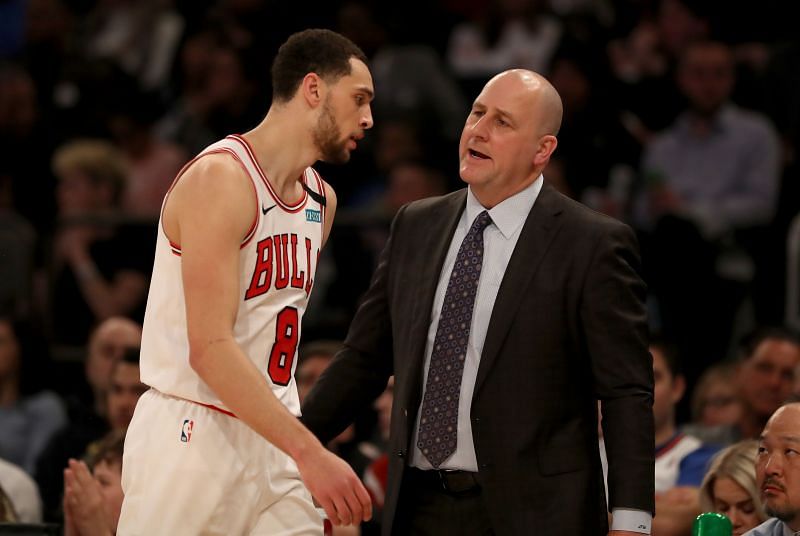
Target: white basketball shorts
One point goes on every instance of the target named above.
(189, 469)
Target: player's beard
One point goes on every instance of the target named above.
(328, 137)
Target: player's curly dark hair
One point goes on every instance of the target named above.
(323, 52)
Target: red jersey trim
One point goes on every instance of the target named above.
(215, 408)
(209, 406)
(283, 205)
(252, 232)
(669, 445)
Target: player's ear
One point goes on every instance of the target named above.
(312, 88)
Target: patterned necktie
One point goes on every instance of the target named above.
(437, 430)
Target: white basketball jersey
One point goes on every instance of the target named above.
(278, 259)
(669, 458)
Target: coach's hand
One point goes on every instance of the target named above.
(335, 487)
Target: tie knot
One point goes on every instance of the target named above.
(481, 222)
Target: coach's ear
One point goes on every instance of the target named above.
(547, 144)
(312, 88)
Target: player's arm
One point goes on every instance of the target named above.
(208, 213)
(330, 211)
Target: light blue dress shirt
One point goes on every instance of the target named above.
(772, 527)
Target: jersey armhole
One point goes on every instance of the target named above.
(174, 246)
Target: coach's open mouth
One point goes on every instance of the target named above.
(475, 154)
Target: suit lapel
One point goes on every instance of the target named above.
(537, 234)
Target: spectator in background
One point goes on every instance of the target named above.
(22, 493)
(152, 163)
(715, 400)
(29, 416)
(409, 75)
(105, 403)
(597, 157)
(397, 139)
(734, 151)
(729, 487)
(411, 181)
(7, 513)
(17, 244)
(512, 34)
(708, 179)
(764, 379)
(27, 141)
(99, 272)
(125, 388)
(643, 62)
(777, 473)
(107, 345)
(766, 376)
(314, 358)
(681, 459)
(407, 181)
(140, 37)
(184, 123)
(376, 476)
(230, 100)
(93, 500)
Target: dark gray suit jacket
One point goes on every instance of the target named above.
(568, 327)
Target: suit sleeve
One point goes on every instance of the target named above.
(615, 330)
(358, 373)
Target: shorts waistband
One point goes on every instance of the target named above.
(209, 406)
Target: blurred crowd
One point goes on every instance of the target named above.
(681, 118)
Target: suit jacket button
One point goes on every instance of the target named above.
(401, 454)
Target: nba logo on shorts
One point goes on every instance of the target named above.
(186, 430)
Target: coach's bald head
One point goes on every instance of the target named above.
(509, 135)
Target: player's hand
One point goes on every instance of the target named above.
(83, 499)
(336, 487)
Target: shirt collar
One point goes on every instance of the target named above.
(508, 215)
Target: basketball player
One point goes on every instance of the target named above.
(237, 249)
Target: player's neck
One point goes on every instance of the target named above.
(283, 149)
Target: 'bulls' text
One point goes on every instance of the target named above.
(279, 263)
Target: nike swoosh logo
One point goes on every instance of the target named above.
(265, 210)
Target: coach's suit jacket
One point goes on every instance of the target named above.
(568, 327)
